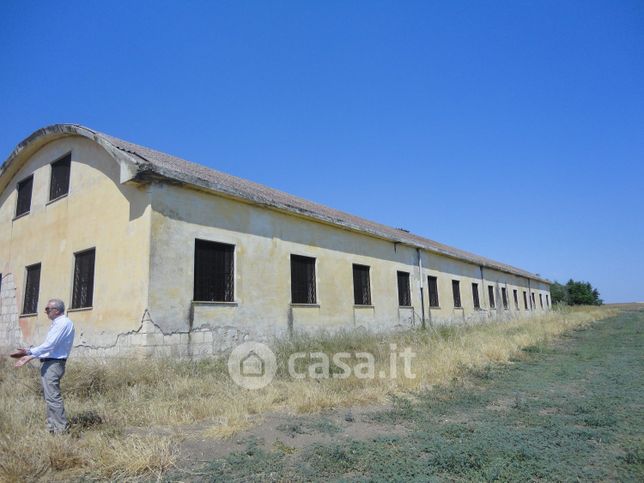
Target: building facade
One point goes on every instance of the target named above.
(155, 255)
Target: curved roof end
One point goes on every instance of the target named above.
(129, 165)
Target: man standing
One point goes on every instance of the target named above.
(53, 355)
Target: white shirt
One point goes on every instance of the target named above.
(59, 341)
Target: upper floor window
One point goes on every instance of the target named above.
(475, 295)
(303, 280)
(32, 289)
(432, 283)
(490, 292)
(504, 297)
(214, 272)
(83, 291)
(456, 292)
(404, 294)
(361, 286)
(59, 185)
(25, 188)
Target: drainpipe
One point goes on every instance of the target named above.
(483, 292)
(422, 298)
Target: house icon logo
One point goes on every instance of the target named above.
(252, 365)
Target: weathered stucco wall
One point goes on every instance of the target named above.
(264, 241)
(97, 212)
(144, 235)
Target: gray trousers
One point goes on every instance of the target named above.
(51, 372)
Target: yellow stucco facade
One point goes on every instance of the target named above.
(143, 230)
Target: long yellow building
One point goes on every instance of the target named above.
(155, 255)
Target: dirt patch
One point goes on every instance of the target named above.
(287, 433)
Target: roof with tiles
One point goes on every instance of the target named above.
(152, 163)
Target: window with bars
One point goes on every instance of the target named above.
(32, 288)
(475, 295)
(541, 300)
(547, 301)
(490, 292)
(404, 294)
(515, 293)
(504, 297)
(303, 280)
(525, 299)
(432, 284)
(456, 292)
(361, 285)
(25, 188)
(214, 272)
(83, 291)
(59, 185)
(533, 302)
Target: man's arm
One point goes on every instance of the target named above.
(54, 336)
(23, 360)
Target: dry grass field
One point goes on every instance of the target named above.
(144, 405)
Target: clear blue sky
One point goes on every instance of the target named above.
(513, 129)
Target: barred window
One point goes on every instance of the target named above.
(490, 292)
(525, 299)
(404, 294)
(303, 280)
(361, 286)
(533, 304)
(504, 297)
(547, 300)
(432, 283)
(83, 292)
(475, 295)
(456, 292)
(32, 288)
(59, 185)
(515, 293)
(214, 272)
(541, 300)
(24, 196)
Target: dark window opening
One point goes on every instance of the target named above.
(214, 272)
(475, 295)
(404, 294)
(361, 285)
(490, 292)
(504, 297)
(83, 292)
(303, 280)
(32, 288)
(24, 196)
(541, 300)
(432, 283)
(456, 292)
(547, 301)
(59, 185)
(525, 299)
(516, 298)
(533, 303)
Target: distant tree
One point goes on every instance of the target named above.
(575, 293)
(559, 293)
